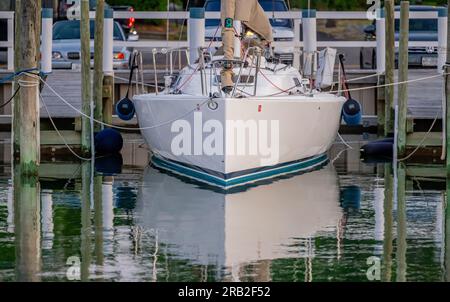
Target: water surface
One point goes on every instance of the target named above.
(342, 222)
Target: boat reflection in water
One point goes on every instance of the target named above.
(263, 223)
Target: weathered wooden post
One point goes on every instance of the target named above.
(390, 66)
(196, 32)
(98, 63)
(447, 93)
(15, 131)
(108, 68)
(28, 58)
(381, 68)
(442, 38)
(403, 55)
(86, 86)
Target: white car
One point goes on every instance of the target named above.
(283, 29)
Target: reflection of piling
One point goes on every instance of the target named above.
(401, 224)
(86, 171)
(27, 227)
(98, 220)
(388, 223)
(446, 242)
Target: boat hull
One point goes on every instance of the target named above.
(252, 138)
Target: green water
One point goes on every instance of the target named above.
(340, 223)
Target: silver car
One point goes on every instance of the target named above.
(67, 45)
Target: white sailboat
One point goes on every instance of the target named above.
(272, 122)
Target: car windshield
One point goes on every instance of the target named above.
(427, 25)
(267, 5)
(70, 30)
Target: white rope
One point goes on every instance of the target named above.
(359, 78)
(134, 82)
(119, 127)
(421, 144)
(392, 84)
(344, 142)
(59, 133)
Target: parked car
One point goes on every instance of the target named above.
(126, 24)
(420, 30)
(283, 29)
(67, 45)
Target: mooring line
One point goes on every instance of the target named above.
(119, 127)
(59, 133)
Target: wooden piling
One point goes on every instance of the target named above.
(447, 101)
(390, 66)
(403, 77)
(15, 131)
(98, 63)
(108, 98)
(85, 78)
(28, 108)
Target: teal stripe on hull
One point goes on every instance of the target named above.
(271, 172)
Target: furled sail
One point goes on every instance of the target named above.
(253, 17)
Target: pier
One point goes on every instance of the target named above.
(425, 88)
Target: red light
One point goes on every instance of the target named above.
(131, 22)
(119, 56)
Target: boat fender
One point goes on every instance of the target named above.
(352, 112)
(125, 109)
(109, 165)
(108, 141)
(381, 148)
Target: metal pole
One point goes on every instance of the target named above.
(196, 32)
(403, 76)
